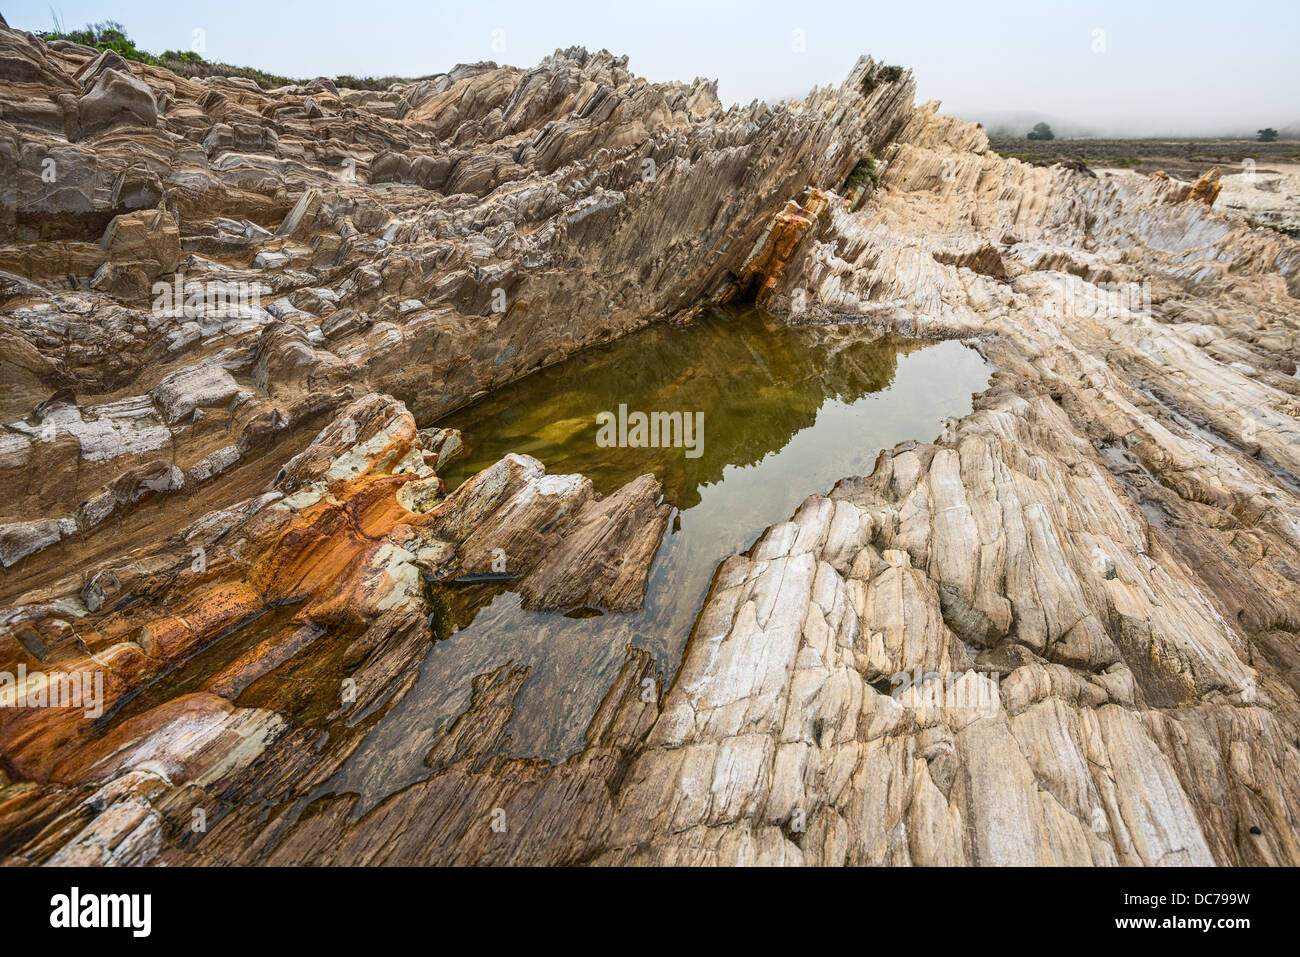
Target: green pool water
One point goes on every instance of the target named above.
(787, 412)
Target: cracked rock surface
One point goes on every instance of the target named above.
(230, 317)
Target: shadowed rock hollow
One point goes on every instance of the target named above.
(230, 512)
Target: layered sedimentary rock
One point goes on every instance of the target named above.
(230, 317)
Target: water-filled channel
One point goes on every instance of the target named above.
(786, 412)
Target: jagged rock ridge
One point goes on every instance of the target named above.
(229, 512)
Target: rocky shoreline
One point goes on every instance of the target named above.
(229, 318)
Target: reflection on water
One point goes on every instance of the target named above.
(788, 411)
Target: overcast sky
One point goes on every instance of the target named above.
(1138, 66)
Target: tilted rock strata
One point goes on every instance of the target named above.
(476, 226)
(1092, 578)
(337, 559)
(1116, 528)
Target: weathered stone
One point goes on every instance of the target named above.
(149, 237)
(1063, 632)
(116, 97)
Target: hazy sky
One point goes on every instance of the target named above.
(1188, 67)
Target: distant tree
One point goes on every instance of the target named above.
(1041, 131)
(108, 35)
(111, 35)
(1267, 135)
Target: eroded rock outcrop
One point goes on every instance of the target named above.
(1065, 631)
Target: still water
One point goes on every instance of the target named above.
(787, 412)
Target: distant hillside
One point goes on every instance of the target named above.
(1014, 124)
(111, 35)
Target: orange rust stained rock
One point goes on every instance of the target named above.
(213, 612)
(363, 421)
(330, 539)
(181, 738)
(262, 659)
(762, 272)
(305, 558)
(375, 509)
(996, 529)
(328, 555)
(1204, 190)
(36, 737)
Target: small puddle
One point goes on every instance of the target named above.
(788, 412)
